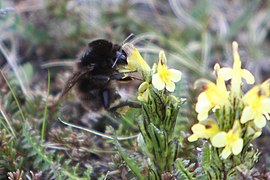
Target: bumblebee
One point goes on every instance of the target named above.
(95, 75)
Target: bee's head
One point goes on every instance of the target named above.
(121, 58)
(121, 55)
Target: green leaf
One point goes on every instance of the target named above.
(205, 157)
(130, 162)
(184, 170)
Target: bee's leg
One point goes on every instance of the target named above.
(126, 103)
(125, 76)
(106, 93)
(102, 95)
(100, 79)
(121, 77)
(106, 98)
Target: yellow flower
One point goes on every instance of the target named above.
(204, 129)
(232, 141)
(165, 78)
(135, 60)
(236, 73)
(257, 105)
(143, 92)
(213, 96)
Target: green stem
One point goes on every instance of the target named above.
(13, 94)
(46, 107)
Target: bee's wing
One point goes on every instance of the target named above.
(73, 80)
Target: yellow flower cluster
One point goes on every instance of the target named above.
(242, 117)
(255, 106)
(163, 78)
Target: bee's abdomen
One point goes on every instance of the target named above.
(96, 93)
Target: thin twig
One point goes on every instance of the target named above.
(98, 133)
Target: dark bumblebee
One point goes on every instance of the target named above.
(95, 73)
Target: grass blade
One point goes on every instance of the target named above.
(13, 94)
(46, 107)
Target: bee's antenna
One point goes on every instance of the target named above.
(116, 61)
(128, 38)
(119, 55)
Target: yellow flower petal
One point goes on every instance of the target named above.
(226, 73)
(226, 152)
(252, 95)
(193, 138)
(257, 105)
(144, 96)
(237, 146)
(160, 66)
(219, 140)
(204, 129)
(257, 134)
(247, 115)
(213, 96)
(143, 92)
(236, 129)
(266, 107)
(202, 116)
(217, 95)
(135, 60)
(202, 99)
(203, 106)
(238, 73)
(266, 87)
(157, 82)
(197, 128)
(236, 56)
(141, 98)
(232, 140)
(247, 76)
(170, 86)
(175, 75)
(260, 121)
(253, 130)
(162, 58)
(143, 87)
